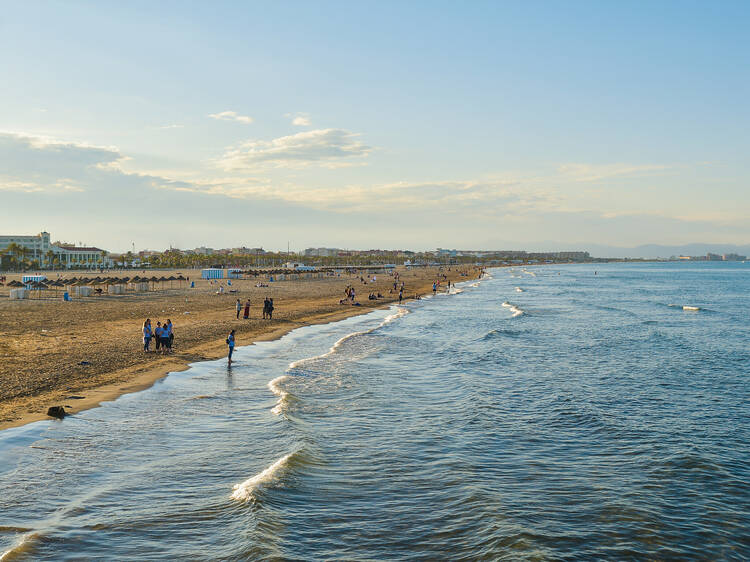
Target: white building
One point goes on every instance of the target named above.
(322, 252)
(39, 247)
(36, 246)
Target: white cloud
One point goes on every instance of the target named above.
(40, 164)
(328, 148)
(172, 126)
(596, 172)
(231, 116)
(299, 119)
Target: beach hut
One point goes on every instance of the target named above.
(234, 273)
(18, 294)
(28, 280)
(212, 273)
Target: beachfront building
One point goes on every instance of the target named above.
(85, 256)
(39, 248)
(24, 246)
(322, 252)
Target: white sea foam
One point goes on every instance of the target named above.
(514, 309)
(283, 395)
(388, 319)
(269, 476)
(519, 290)
(21, 547)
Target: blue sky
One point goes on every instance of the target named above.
(389, 124)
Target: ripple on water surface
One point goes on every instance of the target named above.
(598, 423)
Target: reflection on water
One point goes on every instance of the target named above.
(598, 423)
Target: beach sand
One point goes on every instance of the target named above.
(78, 354)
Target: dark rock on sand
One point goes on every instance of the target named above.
(56, 412)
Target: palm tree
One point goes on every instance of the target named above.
(50, 255)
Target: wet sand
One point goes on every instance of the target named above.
(78, 354)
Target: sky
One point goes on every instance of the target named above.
(478, 125)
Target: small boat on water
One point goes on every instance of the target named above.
(691, 308)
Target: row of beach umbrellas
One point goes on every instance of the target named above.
(84, 281)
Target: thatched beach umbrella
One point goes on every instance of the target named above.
(37, 286)
(56, 285)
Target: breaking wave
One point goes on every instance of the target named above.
(514, 309)
(247, 490)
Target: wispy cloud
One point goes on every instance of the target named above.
(328, 148)
(597, 172)
(33, 164)
(231, 116)
(299, 119)
(172, 126)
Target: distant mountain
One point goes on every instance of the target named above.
(652, 251)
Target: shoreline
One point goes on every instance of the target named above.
(149, 376)
(138, 377)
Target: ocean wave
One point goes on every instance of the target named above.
(688, 307)
(284, 397)
(246, 491)
(21, 549)
(387, 320)
(500, 332)
(514, 309)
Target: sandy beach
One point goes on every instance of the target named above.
(80, 353)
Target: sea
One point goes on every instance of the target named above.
(578, 412)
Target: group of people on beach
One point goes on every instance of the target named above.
(162, 334)
(267, 309)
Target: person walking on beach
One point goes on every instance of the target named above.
(434, 288)
(270, 308)
(230, 343)
(265, 308)
(147, 335)
(170, 335)
(400, 295)
(246, 315)
(238, 306)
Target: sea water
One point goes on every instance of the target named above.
(557, 412)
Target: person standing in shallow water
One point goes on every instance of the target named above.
(230, 343)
